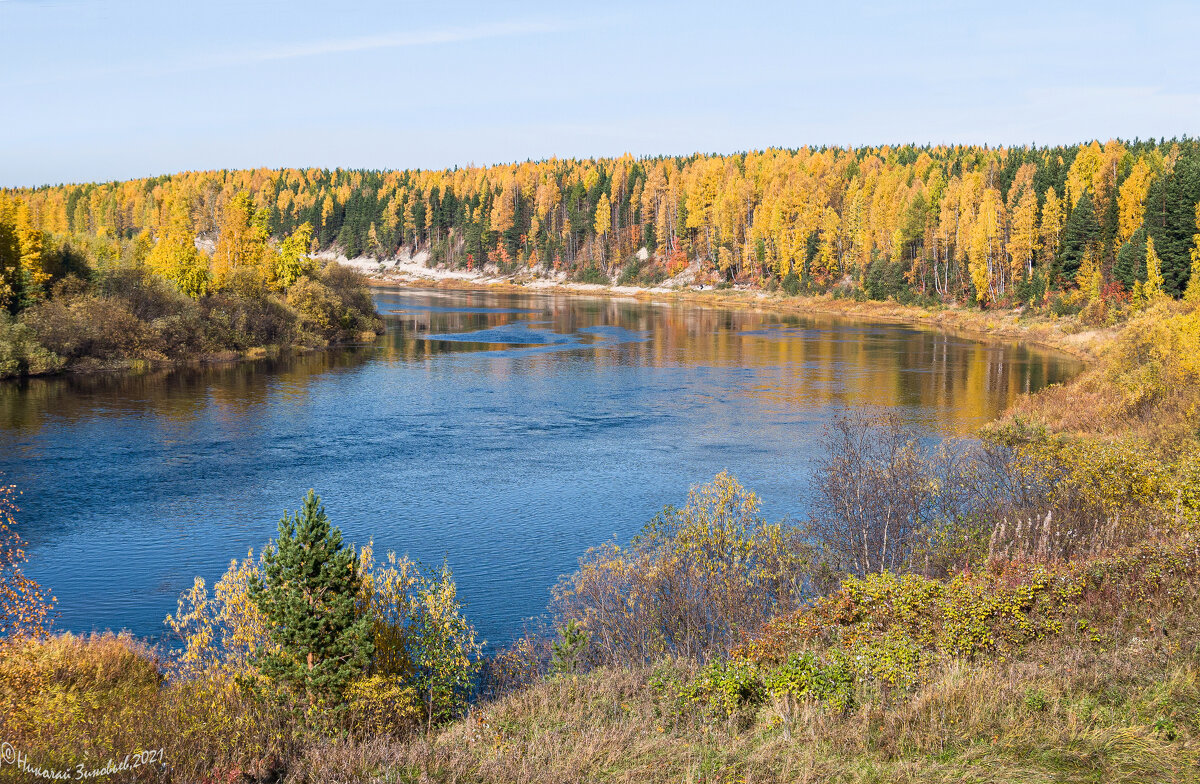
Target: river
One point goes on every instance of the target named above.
(505, 432)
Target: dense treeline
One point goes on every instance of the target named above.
(1002, 225)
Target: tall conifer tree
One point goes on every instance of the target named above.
(1080, 235)
(308, 594)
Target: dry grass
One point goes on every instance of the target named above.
(1128, 714)
(1078, 708)
(68, 700)
(1145, 385)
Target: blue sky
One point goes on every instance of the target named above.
(98, 90)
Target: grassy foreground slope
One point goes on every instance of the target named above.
(1111, 699)
(1063, 714)
(1041, 661)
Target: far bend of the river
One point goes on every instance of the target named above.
(504, 432)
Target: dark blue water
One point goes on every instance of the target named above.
(506, 433)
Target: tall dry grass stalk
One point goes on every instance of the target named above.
(1046, 540)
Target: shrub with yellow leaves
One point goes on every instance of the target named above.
(894, 629)
(691, 584)
(25, 606)
(221, 633)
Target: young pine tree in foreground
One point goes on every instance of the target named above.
(308, 595)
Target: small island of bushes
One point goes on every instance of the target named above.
(84, 302)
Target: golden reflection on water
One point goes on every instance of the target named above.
(810, 361)
(790, 361)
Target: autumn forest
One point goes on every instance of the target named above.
(998, 226)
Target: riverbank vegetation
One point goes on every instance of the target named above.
(84, 302)
(311, 640)
(1016, 607)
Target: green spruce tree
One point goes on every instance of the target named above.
(1081, 234)
(568, 652)
(308, 595)
(1170, 218)
(1131, 260)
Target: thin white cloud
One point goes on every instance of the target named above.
(334, 46)
(385, 41)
